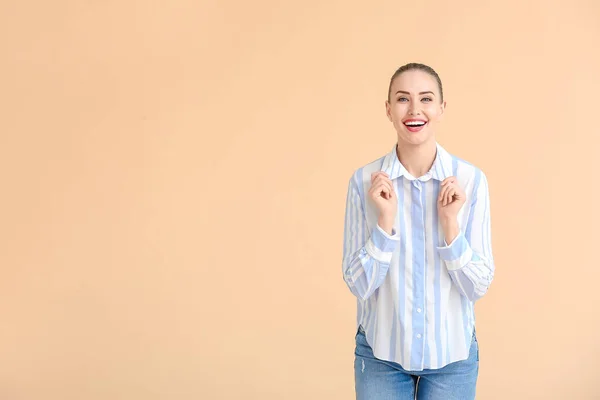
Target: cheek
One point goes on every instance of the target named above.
(434, 116)
(399, 112)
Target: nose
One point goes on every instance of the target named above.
(413, 109)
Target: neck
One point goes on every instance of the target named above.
(417, 159)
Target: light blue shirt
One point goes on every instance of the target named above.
(415, 292)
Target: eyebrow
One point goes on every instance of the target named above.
(402, 91)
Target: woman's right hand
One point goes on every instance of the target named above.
(384, 196)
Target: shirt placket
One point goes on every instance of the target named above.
(418, 274)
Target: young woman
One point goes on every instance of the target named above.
(417, 254)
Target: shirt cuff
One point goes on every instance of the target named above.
(381, 245)
(456, 254)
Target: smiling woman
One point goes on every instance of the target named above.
(415, 103)
(417, 254)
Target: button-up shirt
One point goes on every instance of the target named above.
(415, 292)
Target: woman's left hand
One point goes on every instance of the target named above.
(450, 199)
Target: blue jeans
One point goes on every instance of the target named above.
(381, 380)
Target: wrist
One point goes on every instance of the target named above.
(448, 218)
(451, 229)
(386, 223)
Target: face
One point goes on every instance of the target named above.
(415, 96)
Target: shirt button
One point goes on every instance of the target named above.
(418, 310)
(418, 336)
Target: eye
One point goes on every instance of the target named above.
(427, 98)
(402, 98)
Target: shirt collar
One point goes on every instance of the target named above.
(440, 170)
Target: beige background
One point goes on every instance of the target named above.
(174, 178)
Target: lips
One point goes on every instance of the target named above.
(414, 125)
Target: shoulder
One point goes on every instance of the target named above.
(471, 177)
(466, 170)
(362, 175)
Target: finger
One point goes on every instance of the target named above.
(442, 193)
(380, 179)
(374, 191)
(446, 195)
(374, 183)
(378, 173)
(378, 188)
(389, 185)
(450, 181)
(376, 178)
(390, 190)
(449, 186)
(383, 192)
(456, 195)
(450, 196)
(381, 187)
(393, 192)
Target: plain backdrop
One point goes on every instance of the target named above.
(174, 177)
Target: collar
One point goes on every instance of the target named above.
(440, 170)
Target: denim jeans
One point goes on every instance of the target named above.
(381, 380)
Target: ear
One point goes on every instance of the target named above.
(442, 108)
(388, 110)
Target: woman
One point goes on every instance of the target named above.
(417, 254)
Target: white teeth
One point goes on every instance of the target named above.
(415, 123)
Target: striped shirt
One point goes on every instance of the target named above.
(415, 292)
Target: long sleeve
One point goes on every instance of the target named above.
(469, 258)
(367, 256)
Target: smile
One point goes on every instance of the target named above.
(415, 125)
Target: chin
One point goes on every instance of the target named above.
(415, 139)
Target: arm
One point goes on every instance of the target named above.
(366, 257)
(468, 257)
